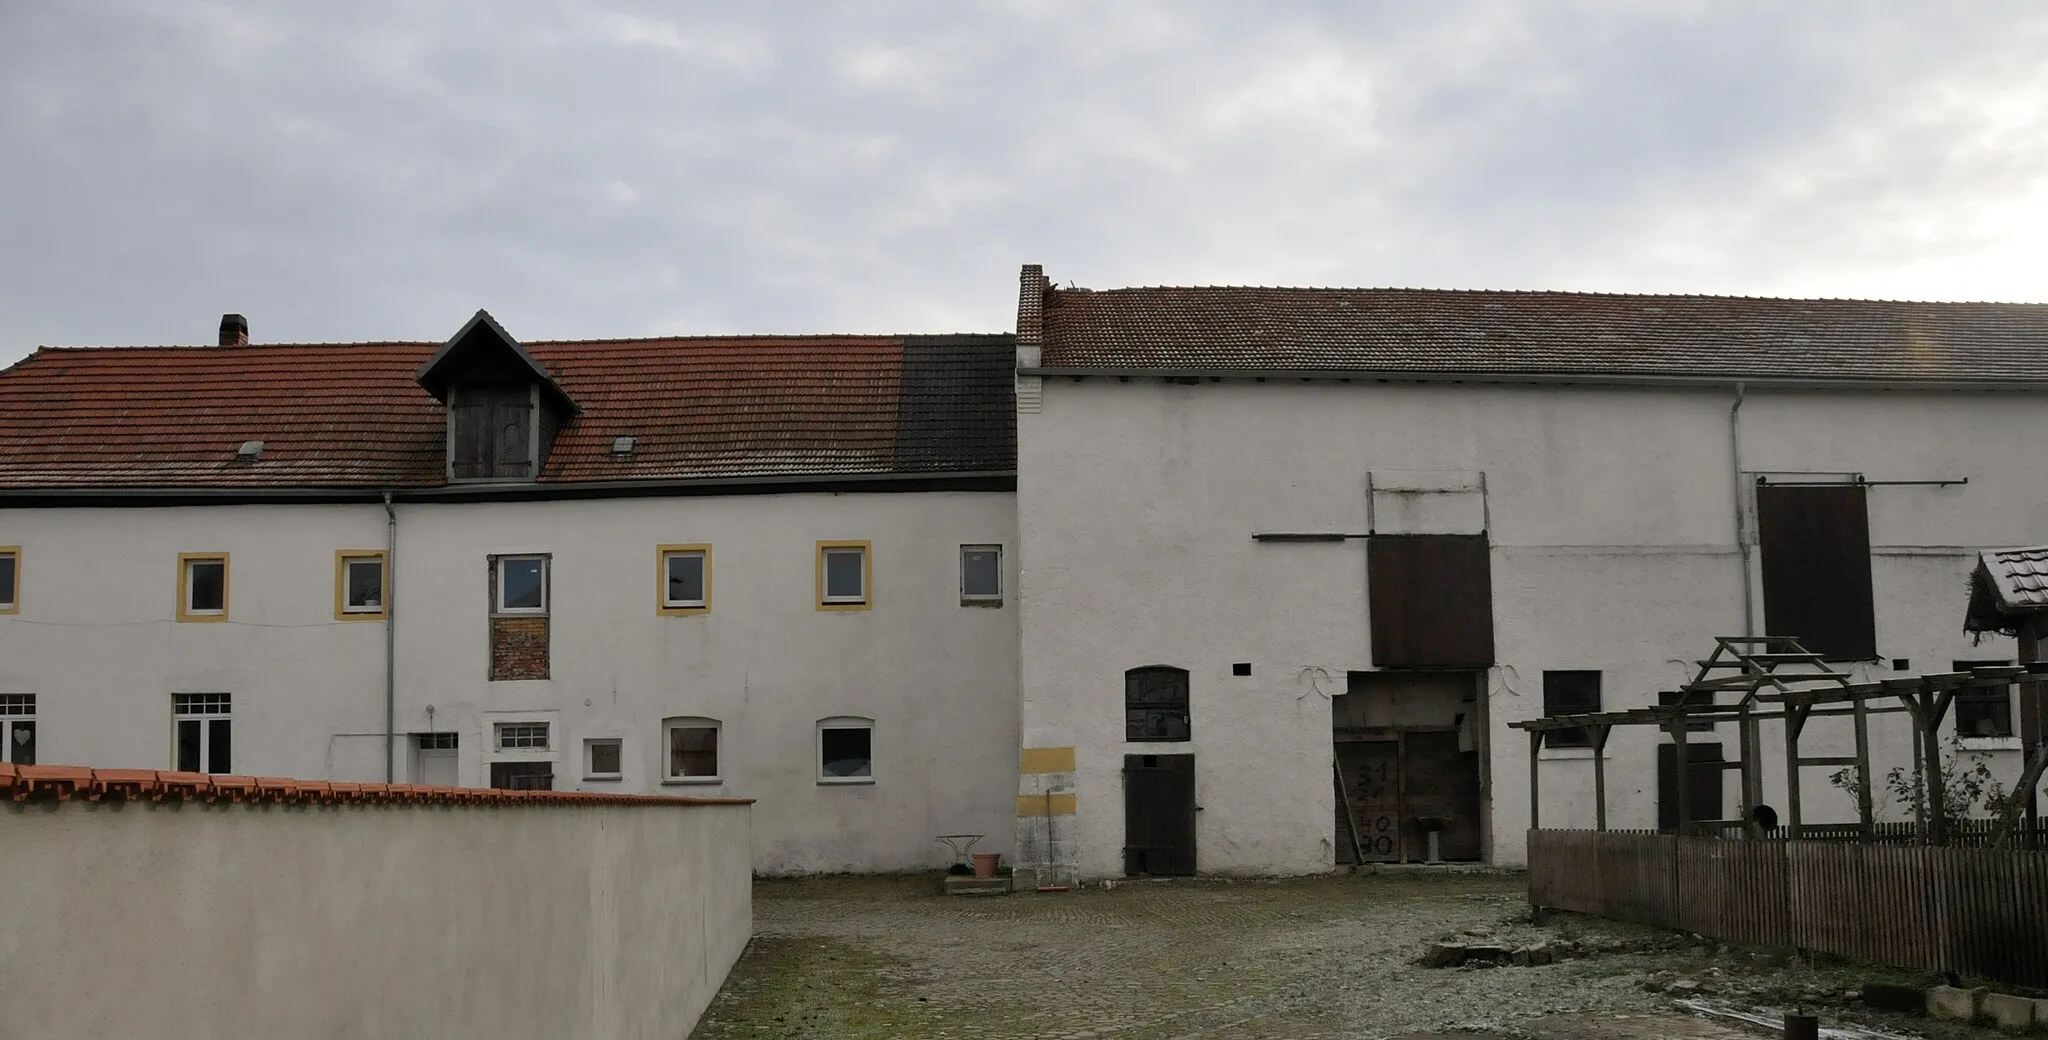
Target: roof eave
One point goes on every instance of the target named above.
(1759, 382)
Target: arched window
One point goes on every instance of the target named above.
(690, 751)
(1156, 703)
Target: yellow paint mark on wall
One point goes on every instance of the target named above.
(1046, 760)
(1039, 805)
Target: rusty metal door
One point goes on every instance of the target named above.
(1159, 814)
(1371, 774)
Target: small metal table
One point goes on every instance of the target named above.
(961, 844)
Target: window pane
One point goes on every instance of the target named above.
(519, 583)
(693, 751)
(843, 574)
(686, 578)
(981, 572)
(847, 752)
(604, 756)
(188, 745)
(1570, 693)
(366, 583)
(7, 564)
(1982, 713)
(207, 585)
(217, 745)
(522, 736)
(21, 743)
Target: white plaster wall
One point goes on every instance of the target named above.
(95, 640)
(1614, 548)
(261, 922)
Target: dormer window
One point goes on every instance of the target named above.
(503, 407)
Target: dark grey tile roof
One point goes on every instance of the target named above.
(1542, 333)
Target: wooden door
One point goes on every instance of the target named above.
(1441, 784)
(1370, 773)
(1703, 776)
(1159, 814)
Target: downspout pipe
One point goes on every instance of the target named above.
(1741, 539)
(390, 641)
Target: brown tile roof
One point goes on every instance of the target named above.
(2005, 584)
(1539, 333)
(59, 783)
(351, 415)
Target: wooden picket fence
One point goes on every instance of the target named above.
(1973, 911)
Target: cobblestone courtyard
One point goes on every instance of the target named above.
(1324, 957)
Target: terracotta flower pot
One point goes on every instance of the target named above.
(985, 863)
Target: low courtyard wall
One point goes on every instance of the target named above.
(138, 903)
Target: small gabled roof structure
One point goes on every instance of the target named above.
(483, 343)
(2007, 585)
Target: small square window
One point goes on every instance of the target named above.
(10, 578)
(843, 573)
(361, 585)
(522, 584)
(601, 759)
(846, 751)
(981, 574)
(685, 579)
(202, 587)
(692, 746)
(523, 736)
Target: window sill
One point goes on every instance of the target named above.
(360, 615)
(692, 781)
(844, 781)
(842, 607)
(604, 777)
(1567, 754)
(1989, 743)
(201, 618)
(996, 602)
(681, 610)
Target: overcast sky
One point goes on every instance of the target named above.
(379, 170)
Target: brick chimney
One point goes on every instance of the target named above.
(1031, 292)
(234, 330)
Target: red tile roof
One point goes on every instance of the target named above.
(59, 783)
(351, 415)
(1226, 330)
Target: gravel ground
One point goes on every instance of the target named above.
(1309, 958)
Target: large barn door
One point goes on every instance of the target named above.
(1369, 801)
(1159, 814)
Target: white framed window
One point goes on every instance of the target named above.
(359, 584)
(202, 732)
(690, 750)
(18, 728)
(10, 579)
(846, 750)
(981, 575)
(522, 736)
(685, 578)
(202, 586)
(602, 758)
(520, 583)
(845, 572)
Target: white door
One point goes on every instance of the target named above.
(434, 768)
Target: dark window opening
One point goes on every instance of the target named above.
(7, 570)
(435, 741)
(207, 588)
(685, 579)
(692, 751)
(1570, 693)
(1815, 545)
(846, 751)
(1241, 668)
(1983, 712)
(523, 776)
(203, 733)
(1156, 704)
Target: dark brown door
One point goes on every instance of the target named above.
(1442, 785)
(1159, 814)
(1816, 569)
(1430, 600)
(1370, 771)
(1703, 776)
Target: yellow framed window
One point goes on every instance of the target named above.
(683, 579)
(362, 585)
(10, 579)
(845, 575)
(202, 586)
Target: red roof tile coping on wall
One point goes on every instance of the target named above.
(60, 783)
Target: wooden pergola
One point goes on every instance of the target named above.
(1778, 679)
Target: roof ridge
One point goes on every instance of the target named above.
(1084, 291)
(887, 337)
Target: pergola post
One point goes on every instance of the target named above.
(1535, 783)
(1683, 781)
(1600, 775)
(1795, 724)
(1866, 813)
(1746, 740)
(2031, 707)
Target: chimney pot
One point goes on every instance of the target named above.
(234, 330)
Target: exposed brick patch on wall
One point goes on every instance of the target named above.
(519, 648)
(60, 783)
